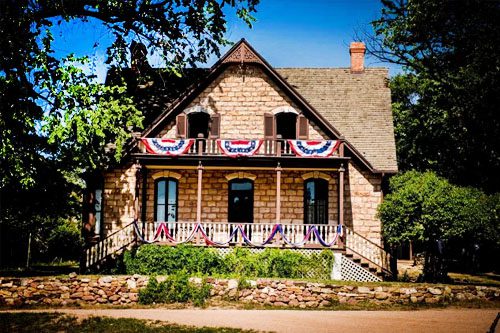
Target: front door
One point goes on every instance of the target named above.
(240, 201)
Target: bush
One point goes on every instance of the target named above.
(175, 288)
(165, 260)
(445, 218)
(65, 242)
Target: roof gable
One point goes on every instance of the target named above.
(242, 52)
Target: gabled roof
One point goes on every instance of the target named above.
(355, 103)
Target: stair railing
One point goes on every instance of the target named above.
(114, 242)
(368, 250)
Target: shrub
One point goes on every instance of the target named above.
(164, 260)
(64, 241)
(175, 288)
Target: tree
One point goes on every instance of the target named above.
(446, 103)
(37, 87)
(445, 218)
(56, 121)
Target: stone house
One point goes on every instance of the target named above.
(245, 143)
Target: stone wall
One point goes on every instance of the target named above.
(241, 99)
(119, 196)
(123, 290)
(215, 195)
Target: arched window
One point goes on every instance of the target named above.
(316, 201)
(166, 200)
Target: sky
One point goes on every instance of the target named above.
(287, 33)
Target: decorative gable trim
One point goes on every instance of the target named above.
(242, 54)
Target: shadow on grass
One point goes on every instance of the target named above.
(53, 322)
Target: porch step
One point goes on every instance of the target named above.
(377, 271)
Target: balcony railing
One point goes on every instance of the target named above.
(269, 148)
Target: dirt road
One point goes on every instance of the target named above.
(436, 320)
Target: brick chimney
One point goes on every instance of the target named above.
(357, 52)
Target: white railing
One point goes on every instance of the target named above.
(257, 233)
(366, 249)
(114, 242)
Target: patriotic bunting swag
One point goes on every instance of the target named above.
(236, 148)
(167, 146)
(277, 229)
(305, 148)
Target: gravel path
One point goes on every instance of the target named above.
(435, 320)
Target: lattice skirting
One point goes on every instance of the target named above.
(350, 271)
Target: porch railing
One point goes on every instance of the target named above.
(256, 233)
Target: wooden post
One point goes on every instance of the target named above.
(144, 201)
(200, 144)
(198, 202)
(341, 199)
(278, 145)
(278, 193)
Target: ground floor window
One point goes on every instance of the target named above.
(316, 201)
(166, 200)
(98, 211)
(240, 200)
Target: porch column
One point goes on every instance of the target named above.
(341, 201)
(144, 197)
(341, 194)
(198, 203)
(278, 193)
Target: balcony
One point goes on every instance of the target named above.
(262, 147)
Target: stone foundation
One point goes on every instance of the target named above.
(124, 290)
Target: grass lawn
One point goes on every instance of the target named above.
(53, 322)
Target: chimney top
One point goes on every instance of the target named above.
(357, 52)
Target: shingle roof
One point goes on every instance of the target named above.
(357, 105)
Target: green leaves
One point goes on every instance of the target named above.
(425, 208)
(446, 103)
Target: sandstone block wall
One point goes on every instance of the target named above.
(119, 194)
(242, 98)
(362, 195)
(124, 290)
(215, 196)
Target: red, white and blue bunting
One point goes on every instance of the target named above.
(309, 148)
(236, 148)
(167, 146)
(277, 229)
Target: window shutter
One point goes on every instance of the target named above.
(181, 126)
(215, 126)
(302, 128)
(268, 126)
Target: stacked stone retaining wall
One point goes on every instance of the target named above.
(124, 290)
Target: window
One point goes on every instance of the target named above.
(316, 201)
(286, 125)
(198, 123)
(98, 211)
(166, 200)
(240, 201)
